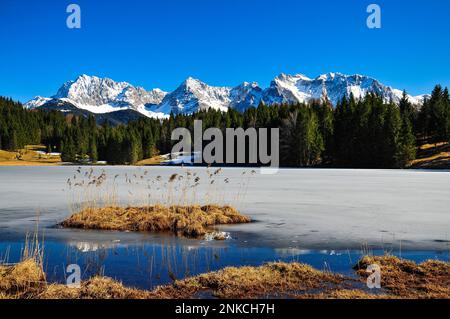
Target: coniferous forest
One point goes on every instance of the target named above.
(366, 133)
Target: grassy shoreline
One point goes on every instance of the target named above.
(400, 279)
(31, 155)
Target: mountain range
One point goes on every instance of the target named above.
(121, 101)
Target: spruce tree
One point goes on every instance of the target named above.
(68, 150)
(93, 154)
(406, 149)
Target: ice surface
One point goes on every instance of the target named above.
(302, 209)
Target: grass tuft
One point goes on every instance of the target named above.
(400, 279)
(405, 278)
(189, 221)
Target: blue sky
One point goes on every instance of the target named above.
(158, 43)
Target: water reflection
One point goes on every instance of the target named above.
(145, 265)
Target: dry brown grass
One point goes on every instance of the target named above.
(25, 163)
(406, 279)
(156, 160)
(270, 280)
(400, 279)
(94, 288)
(428, 146)
(435, 156)
(23, 280)
(440, 160)
(274, 279)
(28, 157)
(26, 280)
(346, 294)
(189, 221)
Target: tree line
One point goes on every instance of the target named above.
(360, 133)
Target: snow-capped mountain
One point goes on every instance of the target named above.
(36, 102)
(194, 95)
(101, 96)
(245, 95)
(334, 86)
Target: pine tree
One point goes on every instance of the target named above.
(148, 144)
(93, 154)
(444, 129)
(434, 116)
(311, 141)
(133, 149)
(406, 150)
(407, 109)
(343, 133)
(325, 115)
(68, 150)
(391, 143)
(13, 141)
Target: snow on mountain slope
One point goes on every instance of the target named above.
(194, 95)
(245, 95)
(99, 96)
(91, 91)
(284, 89)
(334, 86)
(36, 102)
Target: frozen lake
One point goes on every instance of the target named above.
(306, 214)
(321, 209)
